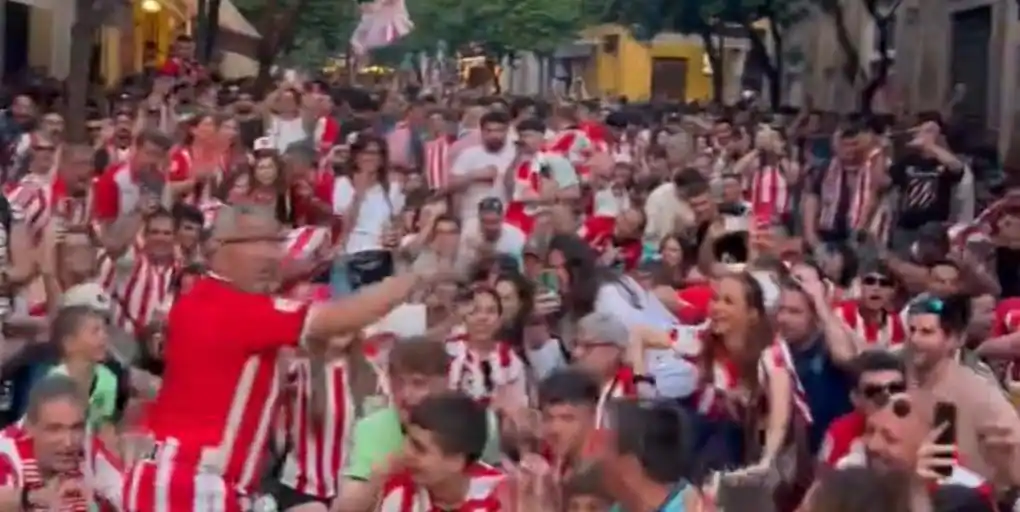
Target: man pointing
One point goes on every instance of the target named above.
(212, 419)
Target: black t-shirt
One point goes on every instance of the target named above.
(925, 189)
(250, 130)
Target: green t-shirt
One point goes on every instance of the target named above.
(380, 434)
(102, 395)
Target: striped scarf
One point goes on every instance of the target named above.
(437, 161)
(832, 191)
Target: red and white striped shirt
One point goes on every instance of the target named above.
(137, 286)
(622, 386)
(710, 398)
(304, 242)
(327, 129)
(223, 346)
(402, 494)
(100, 472)
(527, 183)
(480, 375)
(318, 445)
(33, 195)
(891, 333)
(74, 210)
(769, 193)
(182, 168)
(437, 162)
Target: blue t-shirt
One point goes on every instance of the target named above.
(674, 502)
(826, 386)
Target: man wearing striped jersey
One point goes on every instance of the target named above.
(441, 470)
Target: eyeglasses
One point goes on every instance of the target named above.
(882, 392)
(884, 282)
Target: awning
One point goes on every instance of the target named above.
(231, 19)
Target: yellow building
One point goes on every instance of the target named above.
(146, 35)
(669, 66)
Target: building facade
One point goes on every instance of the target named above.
(939, 46)
(670, 66)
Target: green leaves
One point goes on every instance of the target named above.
(503, 26)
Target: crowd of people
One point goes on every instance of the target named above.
(330, 298)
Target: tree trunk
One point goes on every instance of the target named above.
(83, 39)
(277, 29)
(772, 69)
(212, 30)
(851, 55)
(881, 75)
(716, 62)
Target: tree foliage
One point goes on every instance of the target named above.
(304, 33)
(500, 26)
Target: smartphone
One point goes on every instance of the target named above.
(945, 414)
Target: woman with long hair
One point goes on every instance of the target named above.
(197, 165)
(368, 204)
(485, 367)
(748, 392)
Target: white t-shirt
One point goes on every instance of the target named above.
(473, 159)
(283, 132)
(674, 376)
(610, 204)
(511, 239)
(373, 215)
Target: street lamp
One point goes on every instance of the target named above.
(151, 6)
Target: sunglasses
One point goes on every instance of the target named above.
(43, 148)
(882, 392)
(884, 282)
(931, 306)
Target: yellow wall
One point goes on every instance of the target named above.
(40, 38)
(629, 71)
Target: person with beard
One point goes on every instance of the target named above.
(117, 149)
(250, 122)
(900, 443)
(487, 234)
(14, 122)
(937, 332)
(478, 171)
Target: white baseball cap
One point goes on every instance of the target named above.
(90, 295)
(262, 144)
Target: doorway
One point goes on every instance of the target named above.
(16, 22)
(972, 34)
(669, 78)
